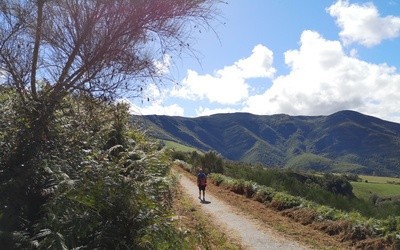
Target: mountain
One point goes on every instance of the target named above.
(345, 141)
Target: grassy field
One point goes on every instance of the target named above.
(379, 179)
(179, 147)
(364, 190)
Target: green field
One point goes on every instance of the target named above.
(364, 190)
(379, 179)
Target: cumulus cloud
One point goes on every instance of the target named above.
(152, 109)
(323, 80)
(159, 109)
(228, 85)
(163, 66)
(362, 23)
(201, 111)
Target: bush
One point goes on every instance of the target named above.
(184, 165)
(217, 179)
(282, 201)
(90, 186)
(264, 194)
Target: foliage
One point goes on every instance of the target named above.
(388, 228)
(317, 163)
(184, 165)
(331, 190)
(99, 184)
(72, 174)
(211, 162)
(385, 190)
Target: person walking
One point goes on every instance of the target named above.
(202, 183)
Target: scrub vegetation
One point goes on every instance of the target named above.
(74, 173)
(326, 202)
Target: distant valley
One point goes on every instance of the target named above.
(345, 141)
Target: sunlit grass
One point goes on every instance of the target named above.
(364, 190)
(379, 179)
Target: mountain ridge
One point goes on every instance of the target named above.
(361, 143)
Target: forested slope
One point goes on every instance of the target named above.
(344, 141)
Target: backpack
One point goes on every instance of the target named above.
(202, 179)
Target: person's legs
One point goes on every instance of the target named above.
(204, 194)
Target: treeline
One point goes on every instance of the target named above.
(94, 183)
(327, 189)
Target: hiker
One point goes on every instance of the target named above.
(202, 183)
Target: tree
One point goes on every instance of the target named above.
(50, 49)
(211, 162)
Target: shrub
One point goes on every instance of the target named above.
(90, 193)
(184, 165)
(282, 201)
(264, 194)
(217, 179)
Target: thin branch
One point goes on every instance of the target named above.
(38, 38)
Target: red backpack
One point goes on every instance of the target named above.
(202, 179)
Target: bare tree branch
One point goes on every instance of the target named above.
(84, 44)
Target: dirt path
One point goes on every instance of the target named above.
(251, 233)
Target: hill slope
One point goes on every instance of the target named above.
(344, 141)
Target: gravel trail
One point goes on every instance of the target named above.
(249, 231)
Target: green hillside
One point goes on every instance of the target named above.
(346, 141)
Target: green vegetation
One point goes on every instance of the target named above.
(351, 225)
(210, 162)
(98, 183)
(312, 162)
(343, 142)
(331, 190)
(309, 198)
(379, 179)
(365, 190)
(74, 173)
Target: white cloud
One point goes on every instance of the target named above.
(153, 92)
(223, 89)
(201, 111)
(171, 110)
(228, 85)
(257, 65)
(163, 65)
(154, 108)
(363, 24)
(323, 80)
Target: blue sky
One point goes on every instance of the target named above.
(312, 57)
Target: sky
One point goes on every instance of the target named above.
(311, 57)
